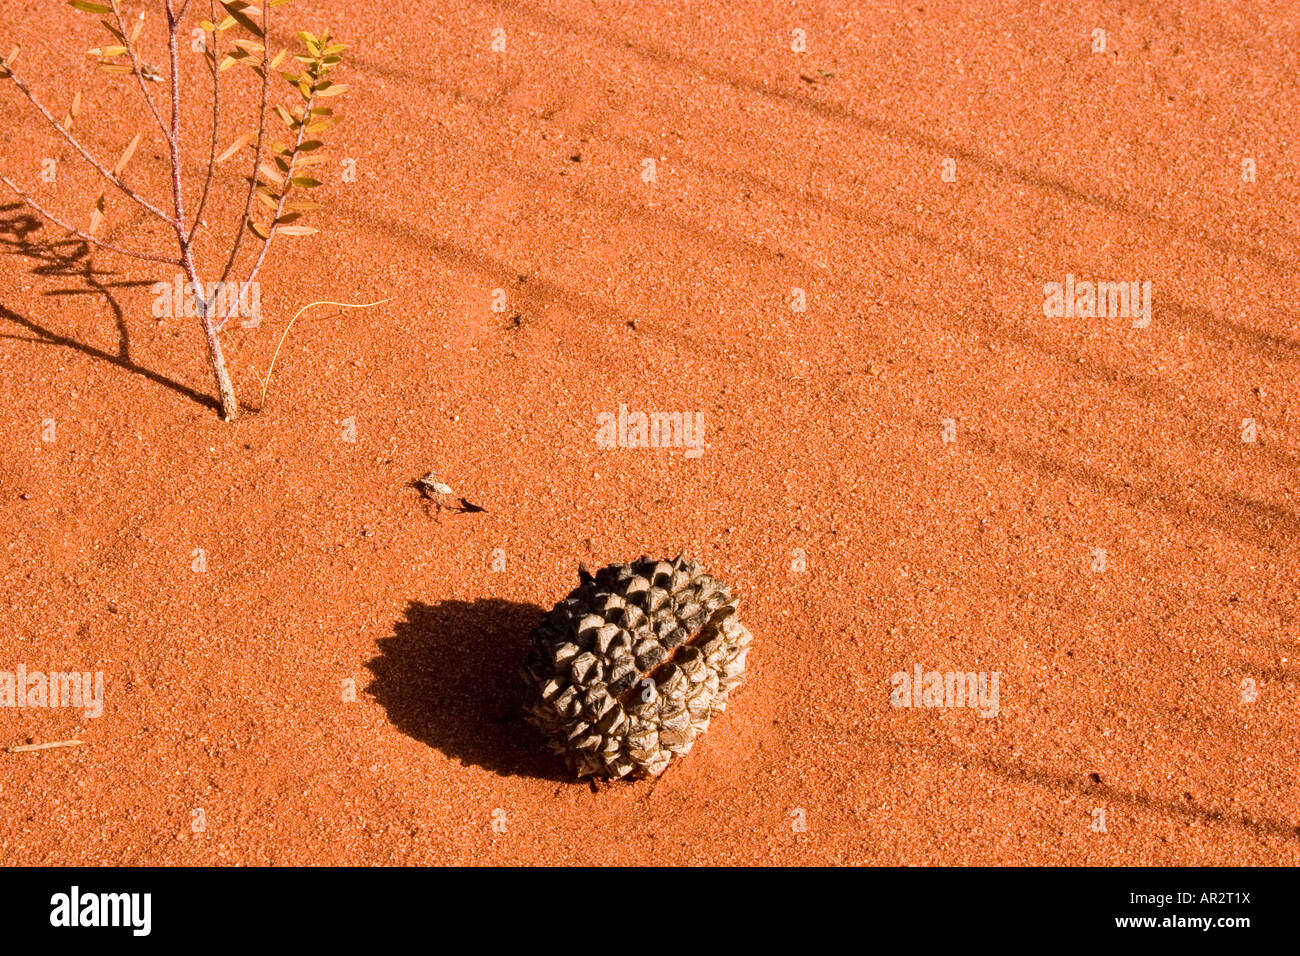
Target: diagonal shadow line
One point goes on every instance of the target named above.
(541, 291)
(1276, 674)
(63, 258)
(49, 337)
(1256, 523)
(1149, 389)
(1257, 515)
(1224, 330)
(1260, 524)
(1146, 387)
(1029, 177)
(1210, 325)
(1047, 779)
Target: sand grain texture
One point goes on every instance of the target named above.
(775, 171)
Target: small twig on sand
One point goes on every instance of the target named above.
(23, 748)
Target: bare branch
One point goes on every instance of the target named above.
(85, 237)
(216, 116)
(135, 67)
(103, 171)
(261, 139)
(174, 140)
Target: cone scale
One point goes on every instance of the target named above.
(628, 670)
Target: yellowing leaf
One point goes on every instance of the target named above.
(236, 146)
(73, 110)
(297, 230)
(97, 217)
(126, 156)
(238, 11)
(270, 173)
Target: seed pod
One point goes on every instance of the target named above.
(626, 672)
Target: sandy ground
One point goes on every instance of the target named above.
(860, 542)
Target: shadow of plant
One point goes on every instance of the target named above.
(71, 258)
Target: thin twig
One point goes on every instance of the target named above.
(135, 68)
(216, 108)
(174, 140)
(25, 748)
(85, 237)
(257, 152)
(106, 173)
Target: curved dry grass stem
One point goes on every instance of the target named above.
(266, 383)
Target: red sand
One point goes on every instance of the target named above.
(1119, 690)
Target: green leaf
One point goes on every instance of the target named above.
(309, 145)
(87, 7)
(306, 182)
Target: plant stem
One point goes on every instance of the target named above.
(225, 390)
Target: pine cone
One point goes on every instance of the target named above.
(626, 672)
